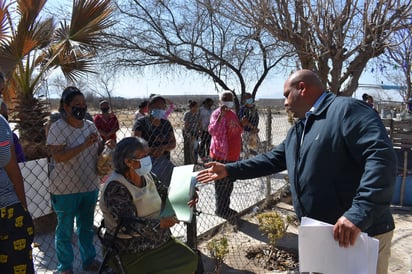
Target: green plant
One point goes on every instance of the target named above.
(274, 226)
(32, 47)
(218, 249)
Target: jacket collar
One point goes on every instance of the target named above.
(322, 103)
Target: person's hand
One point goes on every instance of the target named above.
(244, 121)
(168, 222)
(91, 139)
(195, 198)
(345, 232)
(214, 171)
(110, 143)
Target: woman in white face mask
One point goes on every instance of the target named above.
(159, 133)
(132, 190)
(225, 129)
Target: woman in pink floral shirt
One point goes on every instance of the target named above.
(225, 129)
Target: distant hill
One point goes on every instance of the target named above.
(181, 102)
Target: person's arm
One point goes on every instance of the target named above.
(216, 125)
(369, 145)
(170, 108)
(171, 144)
(186, 123)
(61, 153)
(116, 124)
(262, 165)
(14, 173)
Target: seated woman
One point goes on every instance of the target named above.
(133, 191)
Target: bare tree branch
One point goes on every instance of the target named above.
(192, 35)
(335, 38)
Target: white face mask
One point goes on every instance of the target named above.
(145, 166)
(229, 104)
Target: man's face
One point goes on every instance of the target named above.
(293, 100)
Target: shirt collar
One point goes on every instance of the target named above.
(315, 105)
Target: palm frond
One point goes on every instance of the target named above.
(44, 32)
(3, 21)
(89, 19)
(29, 10)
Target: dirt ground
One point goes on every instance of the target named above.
(248, 235)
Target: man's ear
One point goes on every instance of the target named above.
(302, 88)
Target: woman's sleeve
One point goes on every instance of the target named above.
(214, 126)
(5, 142)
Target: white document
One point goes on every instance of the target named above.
(319, 252)
(181, 191)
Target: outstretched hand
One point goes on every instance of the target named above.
(214, 171)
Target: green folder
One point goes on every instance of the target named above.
(181, 191)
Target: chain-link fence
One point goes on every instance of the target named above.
(75, 174)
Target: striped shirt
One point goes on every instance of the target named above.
(7, 193)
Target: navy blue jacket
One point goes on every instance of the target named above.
(346, 165)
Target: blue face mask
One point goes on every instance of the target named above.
(158, 113)
(249, 101)
(145, 166)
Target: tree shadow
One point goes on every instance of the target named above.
(252, 230)
(209, 267)
(288, 242)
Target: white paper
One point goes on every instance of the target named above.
(319, 252)
(181, 191)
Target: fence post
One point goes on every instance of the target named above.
(191, 231)
(267, 146)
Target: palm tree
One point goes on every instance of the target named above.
(32, 48)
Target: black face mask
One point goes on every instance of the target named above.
(79, 112)
(105, 110)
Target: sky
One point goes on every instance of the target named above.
(141, 86)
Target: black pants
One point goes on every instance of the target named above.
(16, 237)
(204, 145)
(223, 190)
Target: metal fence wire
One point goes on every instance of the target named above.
(80, 171)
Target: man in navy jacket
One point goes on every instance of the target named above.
(340, 161)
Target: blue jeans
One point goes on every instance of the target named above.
(68, 207)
